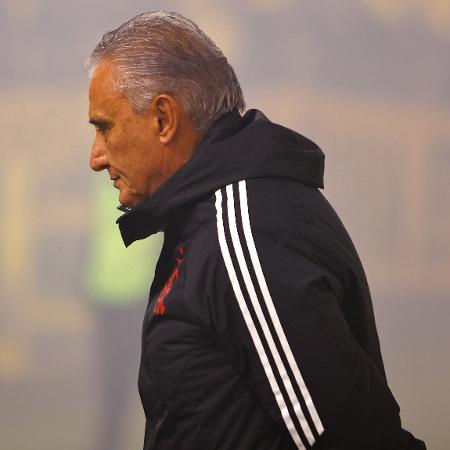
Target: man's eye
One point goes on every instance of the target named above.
(101, 126)
(103, 129)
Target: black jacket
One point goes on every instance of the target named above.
(259, 333)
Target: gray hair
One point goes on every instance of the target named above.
(163, 52)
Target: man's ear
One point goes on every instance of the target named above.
(167, 113)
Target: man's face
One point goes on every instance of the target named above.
(126, 144)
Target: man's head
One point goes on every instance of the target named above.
(157, 83)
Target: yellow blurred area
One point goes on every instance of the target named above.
(221, 24)
(269, 6)
(435, 14)
(15, 357)
(14, 234)
(23, 12)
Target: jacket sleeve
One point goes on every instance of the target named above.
(294, 346)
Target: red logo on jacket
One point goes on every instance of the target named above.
(160, 307)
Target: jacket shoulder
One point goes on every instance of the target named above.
(301, 218)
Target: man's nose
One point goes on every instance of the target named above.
(98, 160)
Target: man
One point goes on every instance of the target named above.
(259, 332)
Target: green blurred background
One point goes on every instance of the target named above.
(368, 80)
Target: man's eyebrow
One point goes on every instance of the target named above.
(100, 123)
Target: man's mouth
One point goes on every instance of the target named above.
(115, 178)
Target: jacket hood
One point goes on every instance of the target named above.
(233, 149)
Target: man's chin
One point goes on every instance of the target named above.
(127, 200)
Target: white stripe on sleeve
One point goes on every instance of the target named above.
(262, 320)
(272, 311)
(251, 326)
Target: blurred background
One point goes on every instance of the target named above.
(368, 80)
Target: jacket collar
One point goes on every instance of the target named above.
(233, 148)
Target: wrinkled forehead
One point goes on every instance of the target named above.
(101, 82)
(103, 97)
(105, 102)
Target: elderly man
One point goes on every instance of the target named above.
(259, 332)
